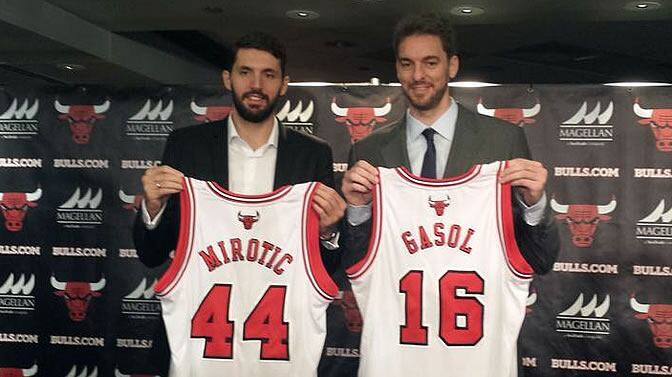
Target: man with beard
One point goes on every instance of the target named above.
(249, 152)
(429, 303)
(440, 138)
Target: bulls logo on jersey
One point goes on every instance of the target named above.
(439, 204)
(248, 220)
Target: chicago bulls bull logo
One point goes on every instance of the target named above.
(659, 317)
(360, 121)
(77, 295)
(248, 220)
(14, 206)
(582, 219)
(519, 117)
(209, 113)
(81, 118)
(353, 318)
(660, 121)
(18, 372)
(131, 202)
(439, 205)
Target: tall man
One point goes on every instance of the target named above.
(250, 153)
(440, 138)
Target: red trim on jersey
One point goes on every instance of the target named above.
(184, 240)
(359, 268)
(220, 191)
(470, 174)
(514, 258)
(312, 260)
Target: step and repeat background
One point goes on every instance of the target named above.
(76, 301)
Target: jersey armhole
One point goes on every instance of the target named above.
(361, 266)
(171, 277)
(514, 258)
(317, 273)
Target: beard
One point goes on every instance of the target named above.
(431, 102)
(254, 115)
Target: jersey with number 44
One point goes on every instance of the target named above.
(246, 294)
(442, 287)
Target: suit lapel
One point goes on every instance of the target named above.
(219, 155)
(286, 154)
(395, 153)
(466, 144)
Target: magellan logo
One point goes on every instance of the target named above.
(84, 372)
(297, 118)
(517, 116)
(16, 295)
(360, 121)
(117, 373)
(142, 301)
(19, 122)
(209, 113)
(151, 121)
(656, 227)
(580, 129)
(18, 372)
(584, 321)
(131, 202)
(81, 211)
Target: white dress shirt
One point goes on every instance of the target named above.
(416, 144)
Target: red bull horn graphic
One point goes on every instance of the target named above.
(659, 318)
(77, 295)
(517, 116)
(248, 220)
(14, 206)
(353, 318)
(131, 202)
(360, 121)
(660, 121)
(18, 372)
(582, 219)
(439, 205)
(81, 118)
(209, 113)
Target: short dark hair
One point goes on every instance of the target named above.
(426, 23)
(264, 42)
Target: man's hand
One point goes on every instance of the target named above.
(358, 182)
(528, 176)
(158, 183)
(330, 207)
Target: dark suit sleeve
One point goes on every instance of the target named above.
(354, 239)
(539, 244)
(154, 246)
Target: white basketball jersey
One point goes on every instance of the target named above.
(443, 286)
(246, 294)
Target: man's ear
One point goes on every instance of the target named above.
(285, 85)
(226, 79)
(453, 66)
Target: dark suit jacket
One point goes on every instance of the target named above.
(201, 152)
(478, 139)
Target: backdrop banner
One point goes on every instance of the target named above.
(76, 301)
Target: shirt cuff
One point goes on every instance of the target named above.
(533, 214)
(150, 223)
(331, 244)
(358, 214)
